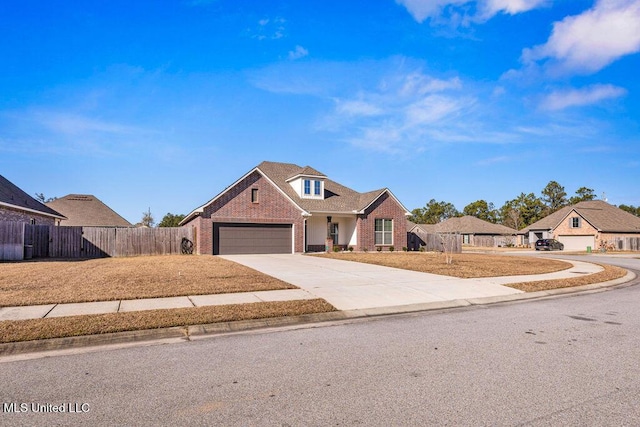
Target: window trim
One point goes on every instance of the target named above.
(382, 233)
(254, 195)
(317, 188)
(306, 187)
(575, 222)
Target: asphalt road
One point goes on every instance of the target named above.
(563, 361)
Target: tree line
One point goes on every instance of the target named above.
(517, 213)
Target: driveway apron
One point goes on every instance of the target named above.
(352, 286)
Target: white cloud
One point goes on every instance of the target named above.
(423, 9)
(458, 11)
(511, 7)
(73, 124)
(357, 108)
(560, 100)
(588, 42)
(405, 111)
(269, 29)
(418, 83)
(298, 52)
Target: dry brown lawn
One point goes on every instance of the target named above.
(108, 279)
(58, 327)
(609, 273)
(465, 265)
(43, 282)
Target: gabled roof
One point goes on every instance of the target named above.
(337, 198)
(472, 225)
(424, 228)
(307, 171)
(13, 197)
(464, 225)
(87, 210)
(601, 215)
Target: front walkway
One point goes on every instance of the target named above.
(351, 285)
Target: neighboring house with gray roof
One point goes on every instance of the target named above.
(478, 232)
(474, 231)
(18, 206)
(285, 208)
(87, 210)
(594, 224)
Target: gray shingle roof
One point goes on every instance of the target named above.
(338, 198)
(87, 210)
(465, 225)
(472, 225)
(600, 214)
(10, 194)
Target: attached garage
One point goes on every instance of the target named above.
(577, 243)
(240, 238)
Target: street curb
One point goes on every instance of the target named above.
(187, 333)
(13, 348)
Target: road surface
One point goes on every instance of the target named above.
(562, 361)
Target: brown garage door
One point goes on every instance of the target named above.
(231, 239)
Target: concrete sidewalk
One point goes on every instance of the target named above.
(344, 284)
(101, 307)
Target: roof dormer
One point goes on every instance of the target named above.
(308, 184)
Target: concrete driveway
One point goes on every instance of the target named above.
(352, 285)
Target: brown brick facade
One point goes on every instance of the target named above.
(15, 215)
(236, 206)
(383, 208)
(565, 229)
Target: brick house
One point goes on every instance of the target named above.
(473, 231)
(18, 206)
(285, 208)
(595, 224)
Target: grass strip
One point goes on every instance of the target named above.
(59, 327)
(610, 272)
(464, 265)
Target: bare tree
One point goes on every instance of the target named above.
(147, 219)
(450, 244)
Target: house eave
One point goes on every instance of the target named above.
(34, 211)
(385, 190)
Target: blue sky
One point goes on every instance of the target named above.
(163, 104)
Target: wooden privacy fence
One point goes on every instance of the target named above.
(492, 241)
(20, 240)
(435, 242)
(626, 243)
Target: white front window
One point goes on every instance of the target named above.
(384, 232)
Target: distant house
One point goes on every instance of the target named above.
(286, 208)
(87, 210)
(477, 232)
(594, 224)
(474, 232)
(18, 206)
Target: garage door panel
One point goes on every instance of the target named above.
(232, 239)
(577, 243)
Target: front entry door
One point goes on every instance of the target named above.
(333, 232)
